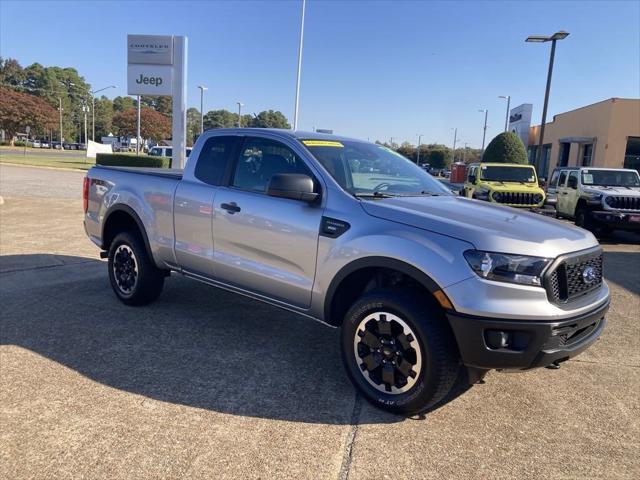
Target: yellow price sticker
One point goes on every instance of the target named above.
(322, 143)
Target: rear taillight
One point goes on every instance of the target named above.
(85, 194)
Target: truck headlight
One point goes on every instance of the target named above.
(504, 267)
(593, 197)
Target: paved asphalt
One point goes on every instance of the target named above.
(207, 384)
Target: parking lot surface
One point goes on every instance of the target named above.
(207, 384)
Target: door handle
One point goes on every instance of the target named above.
(565, 193)
(230, 207)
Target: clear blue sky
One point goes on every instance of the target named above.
(371, 69)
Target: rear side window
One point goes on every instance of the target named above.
(554, 178)
(216, 154)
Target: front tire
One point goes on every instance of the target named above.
(399, 351)
(133, 275)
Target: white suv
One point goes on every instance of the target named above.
(600, 199)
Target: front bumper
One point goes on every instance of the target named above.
(617, 220)
(529, 344)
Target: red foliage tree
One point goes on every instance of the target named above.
(153, 125)
(19, 110)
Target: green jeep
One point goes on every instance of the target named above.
(509, 184)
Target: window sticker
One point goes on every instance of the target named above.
(587, 178)
(322, 143)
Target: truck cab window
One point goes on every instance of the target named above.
(214, 157)
(260, 159)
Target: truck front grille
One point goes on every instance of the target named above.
(517, 198)
(574, 276)
(622, 202)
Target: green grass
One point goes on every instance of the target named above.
(79, 163)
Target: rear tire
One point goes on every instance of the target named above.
(134, 277)
(399, 351)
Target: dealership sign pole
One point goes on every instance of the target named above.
(157, 65)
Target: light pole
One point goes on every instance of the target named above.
(464, 153)
(455, 139)
(484, 130)
(419, 143)
(202, 89)
(93, 110)
(541, 39)
(295, 111)
(506, 117)
(60, 100)
(240, 105)
(138, 128)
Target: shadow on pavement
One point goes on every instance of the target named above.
(197, 345)
(623, 269)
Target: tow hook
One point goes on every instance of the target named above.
(554, 366)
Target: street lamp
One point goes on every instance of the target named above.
(484, 129)
(419, 143)
(455, 140)
(240, 105)
(541, 39)
(506, 117)
(202, 89)
(93, 110)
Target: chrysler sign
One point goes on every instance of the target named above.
(150, 49)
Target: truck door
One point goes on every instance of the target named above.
(265, 244)
(571, 198)
(193, 205)
(469, 185)
(562, 193)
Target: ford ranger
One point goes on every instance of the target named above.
(427, 286)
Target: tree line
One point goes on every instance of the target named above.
(32, 96)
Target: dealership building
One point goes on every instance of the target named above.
(604, 134)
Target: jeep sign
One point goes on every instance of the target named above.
(149, 80)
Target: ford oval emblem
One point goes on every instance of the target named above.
(589, 275)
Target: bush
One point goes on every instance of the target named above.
(506, 148)
(438, 158)
(129, 160)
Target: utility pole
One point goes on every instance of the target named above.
(93, 110)
(297, 103)
(464, 153)
(419, 143)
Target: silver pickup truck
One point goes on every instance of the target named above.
(427, 287)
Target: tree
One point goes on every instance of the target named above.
(506, 148)
(438, 158)
(19, 110)
(120, 104)
(104, 117)
(153, 125)
(193, 125)
(160, 103)
(11, 72)
(407, 150)
(268, 119)
(220, 119)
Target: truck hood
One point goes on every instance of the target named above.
(487, 226)
(623, 191)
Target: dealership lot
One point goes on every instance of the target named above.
(204, 383)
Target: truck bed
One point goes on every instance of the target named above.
(174, 173)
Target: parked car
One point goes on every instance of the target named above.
(509, 184)
(162, 151)
(598, 199)
(45, 144)
(35, 144)
(425, 285)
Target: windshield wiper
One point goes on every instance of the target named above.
(375, 194)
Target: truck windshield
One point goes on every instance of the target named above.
(611, 178)
(366, 169)
(507, 174)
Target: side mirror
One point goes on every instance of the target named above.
(542, 182)
(472, 178)
(295, 186)
(572, 182)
